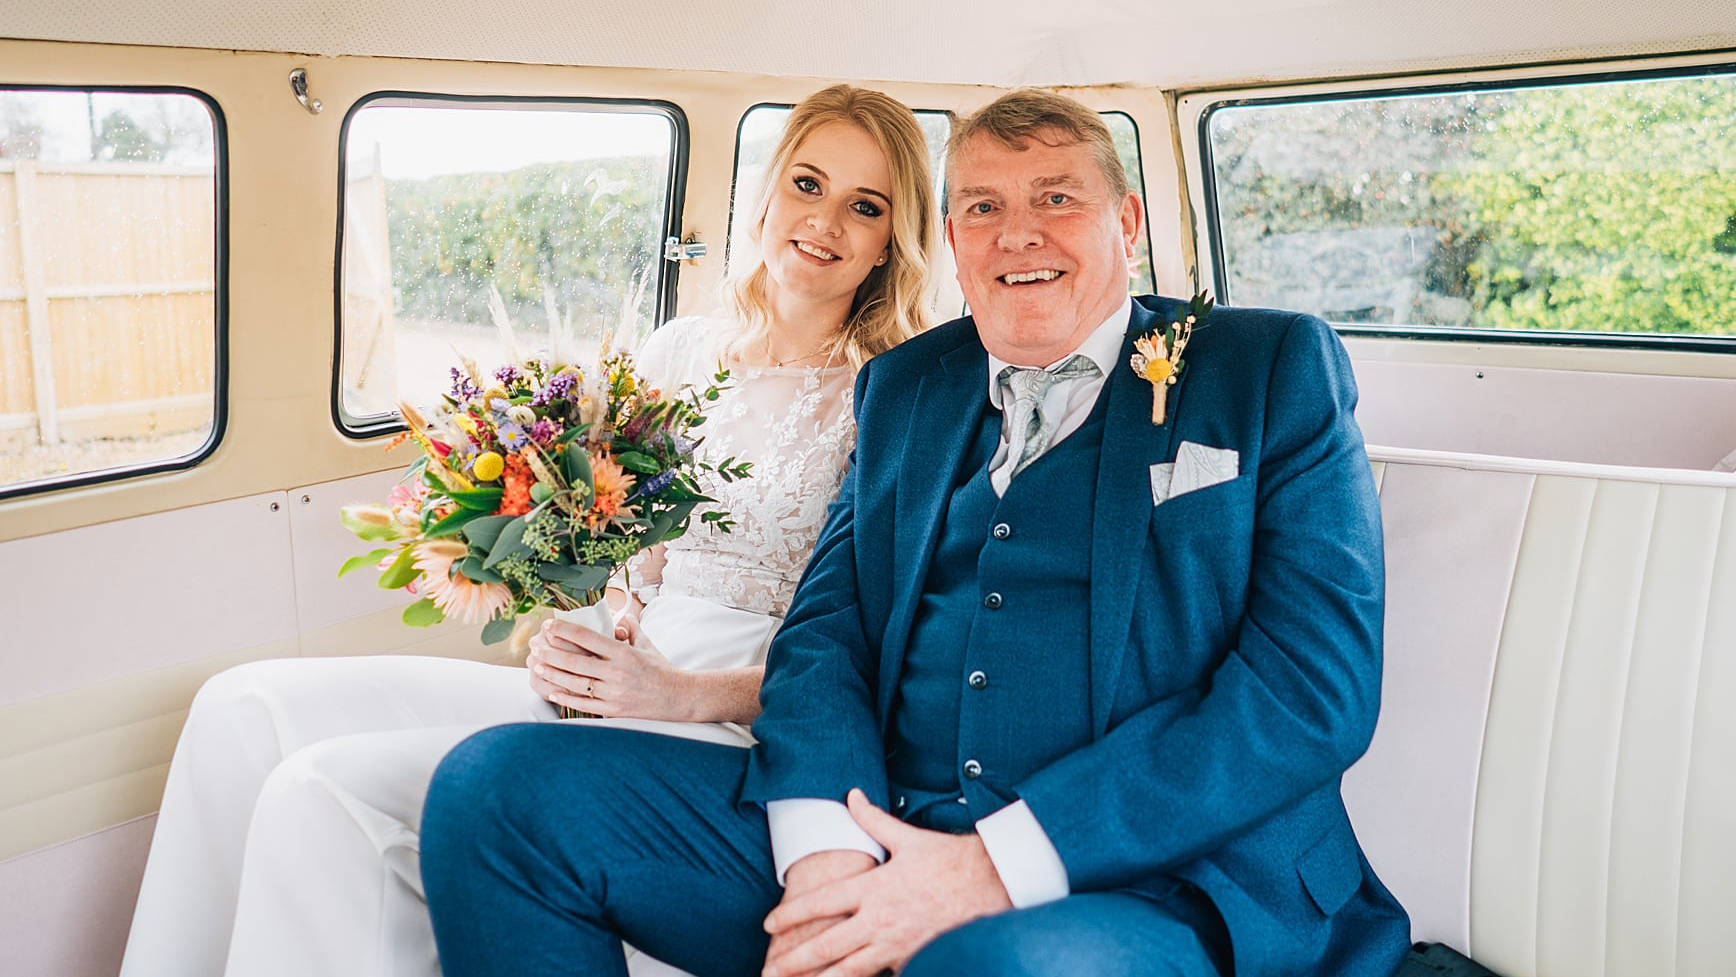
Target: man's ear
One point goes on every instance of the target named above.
(1132, 222)
(949, 241)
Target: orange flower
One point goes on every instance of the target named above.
(612, 483)
(515, 500)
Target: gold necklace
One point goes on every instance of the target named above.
(778, 364)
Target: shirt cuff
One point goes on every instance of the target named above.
(1026, 860)
(801, 826)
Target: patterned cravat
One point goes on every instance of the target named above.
(1028, 431)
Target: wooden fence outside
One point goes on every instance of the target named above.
(107, 300)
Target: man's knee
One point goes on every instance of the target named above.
(993, 947)
(1062, 941)
(480, 774)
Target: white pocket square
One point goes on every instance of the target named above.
(1196, 466)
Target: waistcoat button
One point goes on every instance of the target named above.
(972, 769)
(978, 681)
(1002, 530)
(992, 602)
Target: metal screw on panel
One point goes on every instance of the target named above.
(305, 500)
(274, 507)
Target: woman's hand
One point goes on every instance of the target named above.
(618, 676)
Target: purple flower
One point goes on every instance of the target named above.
(656, 483)
(559, 386)
(462, 387)
(544, 430)
(506, 375)
(512, 437)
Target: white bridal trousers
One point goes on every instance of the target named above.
(288, 838)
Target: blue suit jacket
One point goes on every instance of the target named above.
(1235, 631)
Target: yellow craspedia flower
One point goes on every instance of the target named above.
(1151, 359)
(1157, 371)
(488, 467)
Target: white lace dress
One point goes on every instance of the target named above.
(797, 426)
(294, 801)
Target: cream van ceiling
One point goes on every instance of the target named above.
(1073, 42)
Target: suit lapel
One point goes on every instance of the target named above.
(1131, 445)
(943, 422)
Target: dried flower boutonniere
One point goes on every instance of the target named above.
(1157, 355)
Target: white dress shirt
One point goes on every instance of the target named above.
(1025, 859)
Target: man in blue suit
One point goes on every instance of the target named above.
(1085, 652)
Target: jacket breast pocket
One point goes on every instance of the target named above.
(1222, 507)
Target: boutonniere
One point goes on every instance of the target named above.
(1157, 354)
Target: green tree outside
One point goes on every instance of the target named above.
(583, 230)
(1606, 207)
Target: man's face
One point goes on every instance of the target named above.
(1042, 246)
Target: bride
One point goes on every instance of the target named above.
(287, 841)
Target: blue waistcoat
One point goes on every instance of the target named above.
(995, 682)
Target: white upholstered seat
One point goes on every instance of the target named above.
(1552, 784)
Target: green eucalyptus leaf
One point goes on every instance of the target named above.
(472, 568)
(481, 533)
(576, 463)
(510, 543)
(661, 525)
(581, 577)
(497, 630)
(423, 614)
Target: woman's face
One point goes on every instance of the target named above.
(829, 220)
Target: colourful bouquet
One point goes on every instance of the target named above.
(533, 486)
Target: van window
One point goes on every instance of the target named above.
(110, 287)
(1602, 210)
(469, 221)
(1126, 136)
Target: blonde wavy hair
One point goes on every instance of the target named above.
(891, 304)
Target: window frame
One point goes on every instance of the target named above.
(1144, 198)
(1201, 105)
(378, 425)
(219, 301)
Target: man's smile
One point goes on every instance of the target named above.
(1027, 277)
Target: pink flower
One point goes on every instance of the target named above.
(455, 594)
(405, 503)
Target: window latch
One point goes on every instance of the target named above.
(677, 249)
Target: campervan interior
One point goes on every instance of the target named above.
(234, 236)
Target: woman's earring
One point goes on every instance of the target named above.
(880, 260)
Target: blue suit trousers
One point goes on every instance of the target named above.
(544, 845)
